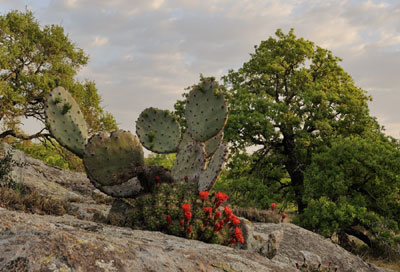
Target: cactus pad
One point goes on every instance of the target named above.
(186, 139)
(212, 144)
(158, 131)
(189, 162)
(209, 176)
(65, 121)
(206, 110)
(112, 160)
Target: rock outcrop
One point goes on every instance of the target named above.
(31, 242)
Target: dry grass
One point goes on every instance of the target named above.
(394, 265)
(32, 202)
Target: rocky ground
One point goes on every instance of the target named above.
(74, 242)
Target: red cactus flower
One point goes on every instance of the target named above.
(217, 227)
(203, 195)
(182, 223)
(188, 215)
(227, 211)
(189, 230)
(221, 196)
(186, 207)
(273, 205)
(232, 241)
(168, 219)
(235, 221)
(240, 239)
(284, 216)
(205, 224)
(217, 215)
(238, 231)
(208, 210)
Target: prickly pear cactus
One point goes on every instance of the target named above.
(158, 131)
(206, 110)
(209, 176)
(180, 210)
(65, 121)
(212, 144)
(189, 162)
(113, 159)
(206, 115)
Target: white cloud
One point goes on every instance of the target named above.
(99, 41)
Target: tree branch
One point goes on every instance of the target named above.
(24, 137)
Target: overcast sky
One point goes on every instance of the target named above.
(145, 52)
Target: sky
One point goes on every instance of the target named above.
(144, 53)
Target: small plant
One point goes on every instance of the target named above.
(181, 211)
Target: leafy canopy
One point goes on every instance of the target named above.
(289, 99)
(353, 187)
(34, 60)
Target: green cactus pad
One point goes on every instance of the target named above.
(189, 162)
(112, 160)
(209, 176)
(158, 131)
(186, 139)
(206, 110)
(65, 121)
(212, 144)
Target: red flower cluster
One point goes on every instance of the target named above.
(221, 197)
(203, 195)
(186, 207)
(238, 235)
(188, 215)
(217, 215)
(273, 205)
(208, 211)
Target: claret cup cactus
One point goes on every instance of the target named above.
(153, 198)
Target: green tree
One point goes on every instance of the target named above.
(33, 60)
(353, 187)
(288, 100)
(165, 160)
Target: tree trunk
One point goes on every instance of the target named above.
(295, 170)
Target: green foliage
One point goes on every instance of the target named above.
(354, 185)
(162, 210)
(290, 98)
(46, 152)
(34, 60)
(254, 184)
(165, 160)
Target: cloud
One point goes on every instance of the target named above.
(144, 53)
(99, 41)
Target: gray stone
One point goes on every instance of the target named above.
(30, 242)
